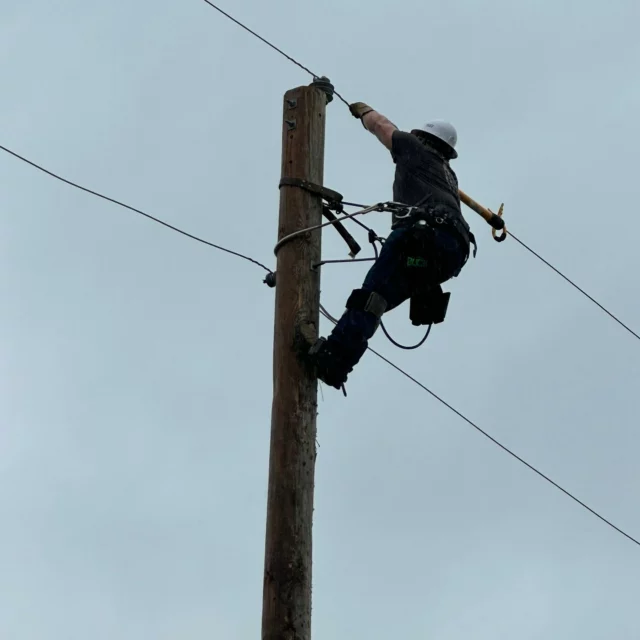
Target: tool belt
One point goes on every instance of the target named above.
(422, 219)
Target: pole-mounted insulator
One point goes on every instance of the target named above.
(324, 84)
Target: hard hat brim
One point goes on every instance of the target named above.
(454, 153)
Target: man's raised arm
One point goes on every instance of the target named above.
(381, 127)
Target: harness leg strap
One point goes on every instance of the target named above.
(369, 301)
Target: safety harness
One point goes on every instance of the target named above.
(423, 216)
(429, 304)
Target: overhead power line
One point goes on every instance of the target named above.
(492, 439)
(130, 208)
(507, 450)
(270, 44)
(575, 286)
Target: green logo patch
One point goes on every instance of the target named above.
(416, 262)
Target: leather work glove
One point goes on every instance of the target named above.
(359, 109)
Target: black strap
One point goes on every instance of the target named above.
(354, 247)
(472, 240)
(327, 194)
(334, 200)
(369, 301)
(423, 200)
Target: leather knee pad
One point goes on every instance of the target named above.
(369, 301)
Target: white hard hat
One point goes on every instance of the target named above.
(445, 131)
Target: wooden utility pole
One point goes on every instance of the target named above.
(286, 612)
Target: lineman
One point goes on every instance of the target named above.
(424, 249)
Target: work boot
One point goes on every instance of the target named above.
(329, 363)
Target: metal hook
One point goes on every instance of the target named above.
(494, 231)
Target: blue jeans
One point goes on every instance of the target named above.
(396, 275)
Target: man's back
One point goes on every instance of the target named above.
(421, 172)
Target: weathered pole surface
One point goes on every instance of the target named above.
(286, 613)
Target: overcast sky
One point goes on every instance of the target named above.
(136, 364)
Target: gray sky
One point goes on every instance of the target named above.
(136, 364)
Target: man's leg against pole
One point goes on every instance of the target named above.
(387, 282)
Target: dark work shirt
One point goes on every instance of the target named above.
(420, 172)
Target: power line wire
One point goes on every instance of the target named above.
(130, 208)
(493, 440)
(575, 286)
(273, 46)
(257, 35)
